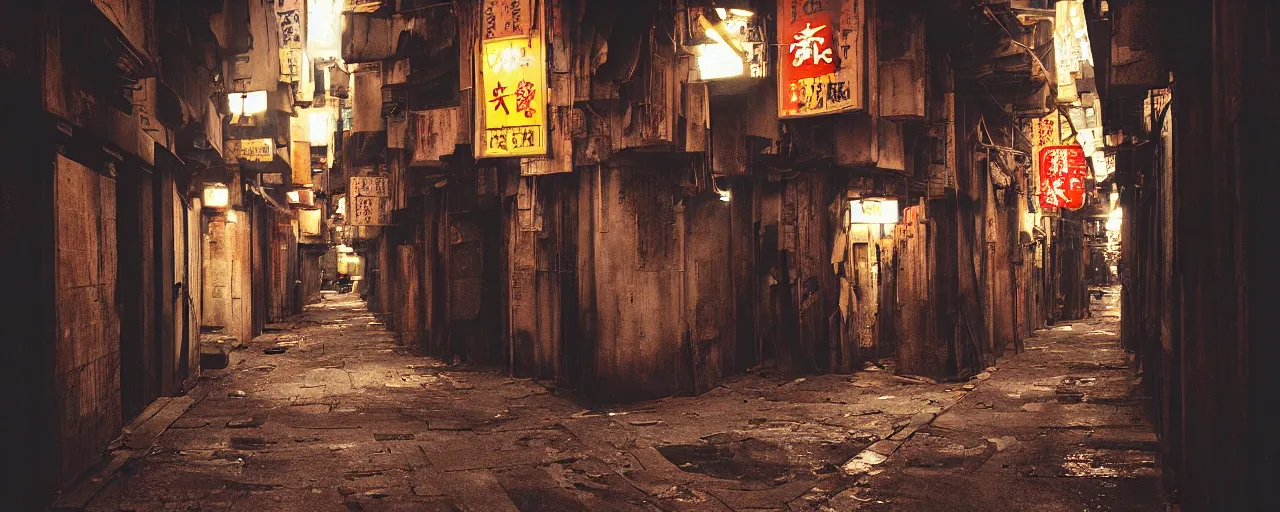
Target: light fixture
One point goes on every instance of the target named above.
(216, 196)
(248, 103)
(725, 194)
(232, 218)
(871, 210)
(729, 51)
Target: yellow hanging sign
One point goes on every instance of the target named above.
(514, 96)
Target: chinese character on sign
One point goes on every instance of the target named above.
(809, 46)
(1062, 177)
(524, 98)
(499, 100)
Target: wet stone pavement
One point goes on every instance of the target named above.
(346, 420)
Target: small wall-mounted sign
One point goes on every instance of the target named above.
(249, 150)
(369, 201)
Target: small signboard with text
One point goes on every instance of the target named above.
(512, 80)
(369, 201)
(249, 150)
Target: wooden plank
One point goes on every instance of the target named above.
(892, 155)
(86, 351)
(367, 103)
(729, 154)
(901, 53)
(857, 140)
(435, 135)
(696, 115)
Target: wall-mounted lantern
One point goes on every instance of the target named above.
(216, 196)
(871, 210)
(232, 218)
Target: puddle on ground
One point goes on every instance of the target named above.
(749, 459)
(1110, 464)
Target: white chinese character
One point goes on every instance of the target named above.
(807, 45)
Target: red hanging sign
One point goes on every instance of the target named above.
(808, 81)
(1062, 175)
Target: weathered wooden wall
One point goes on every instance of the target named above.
(99, 225)
(1199, 251)
(638, 261)
(633, 279)
(87, 351)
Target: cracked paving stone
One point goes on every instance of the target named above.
(336, 427)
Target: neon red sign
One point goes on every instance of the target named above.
(1062, 175)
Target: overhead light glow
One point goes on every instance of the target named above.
(324, 28)
(718, 60)
(1114, 222)
(248, 103)
(723, 58)
(320, 127)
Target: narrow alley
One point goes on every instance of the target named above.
(669, 255)
(345, 419)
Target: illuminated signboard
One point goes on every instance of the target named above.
(513, 80)
(249, 150)
(873, 211)
(1062, 175)
(809, 82)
